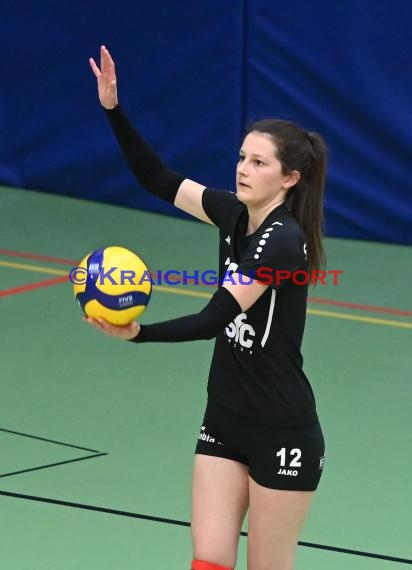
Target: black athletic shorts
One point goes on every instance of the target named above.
(278, 457)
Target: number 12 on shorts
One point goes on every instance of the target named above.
(295, 454)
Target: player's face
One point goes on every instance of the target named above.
(259, 177)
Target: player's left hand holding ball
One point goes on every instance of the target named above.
(126, 332)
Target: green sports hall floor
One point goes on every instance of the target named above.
(97, 435)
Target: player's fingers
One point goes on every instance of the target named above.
(113, 330)
(91, 321)
(106, 60)
(102, 59)
(133, 328)
(104, 325)
(109, 59)
(109, 66)
(95, 68)
(125, 331)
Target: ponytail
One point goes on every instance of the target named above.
(307, 203)
(305, 152)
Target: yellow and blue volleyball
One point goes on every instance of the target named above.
(112, 283)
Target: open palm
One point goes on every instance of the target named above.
(106, 79)
(126, 332)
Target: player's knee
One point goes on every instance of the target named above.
(203, 565)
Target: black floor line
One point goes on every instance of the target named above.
(48, 440)
(182, 523)
(52, 465)
(357, 552)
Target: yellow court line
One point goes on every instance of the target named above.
(34, 268)
(203, 295)
(188, 292)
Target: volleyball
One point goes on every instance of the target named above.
(112, 283)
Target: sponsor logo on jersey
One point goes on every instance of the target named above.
(240, 332)
(287, 472)
(206, 437)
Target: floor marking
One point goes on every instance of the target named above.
(187, 524)
(34, 268)
(30, 436)
(38, 468)
(369, 320)
(371, 308)
(95, 453)
(32, 286)
(10, 253)
(188, 292)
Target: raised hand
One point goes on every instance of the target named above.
(126, 332)
(106, 79)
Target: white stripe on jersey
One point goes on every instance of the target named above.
(270, 317)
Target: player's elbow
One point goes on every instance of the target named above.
(209, 327)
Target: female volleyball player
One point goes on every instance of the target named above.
(262, 450)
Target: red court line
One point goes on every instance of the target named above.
(72, 262)
(371, 308)
(31, 286)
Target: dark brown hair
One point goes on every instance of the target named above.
(307, 153)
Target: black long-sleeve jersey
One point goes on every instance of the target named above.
(257, 364)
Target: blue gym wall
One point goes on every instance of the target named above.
(191, 75)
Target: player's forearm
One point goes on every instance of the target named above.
(143, 161)
(207, 324)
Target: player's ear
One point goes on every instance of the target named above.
(291, 179)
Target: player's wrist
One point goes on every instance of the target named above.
(110, 108)
(140, 336)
